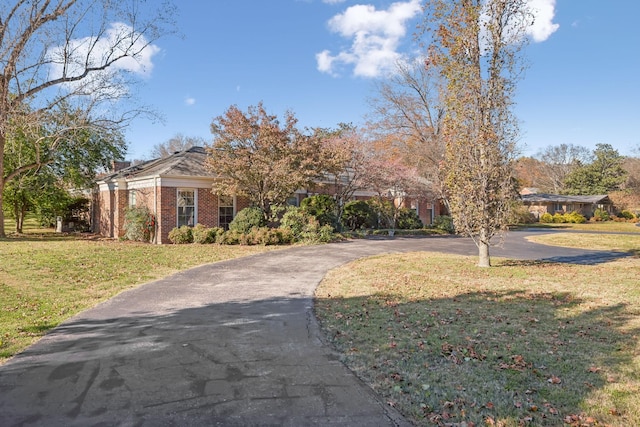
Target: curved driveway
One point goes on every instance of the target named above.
(231, 343)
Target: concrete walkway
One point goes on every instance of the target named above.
(233, 344)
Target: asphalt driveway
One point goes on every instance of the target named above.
(231, 343)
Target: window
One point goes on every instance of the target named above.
(415, 206)
(132, 198)
(292, 201)
(225, 211)
(186, 207)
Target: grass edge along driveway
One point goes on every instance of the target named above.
(523, 343)
(46, 280)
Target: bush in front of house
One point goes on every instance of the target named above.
(181, 235)
(408, 219)
(139, 223)
(266, 236)
(322, 207)
(546, 218)
(600, 215)
(574, 218)
(358, 214)
(247, 219)
(627, 215)
(444, 223)
(305, 227)
(204, 235)
(521, 215)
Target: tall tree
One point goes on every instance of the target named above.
(253, 155)
(178, 142)
(603, 175)
(475, 47)
(80, 54)
(557, 162)
(406, 121)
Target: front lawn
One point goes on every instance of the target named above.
(522, 343)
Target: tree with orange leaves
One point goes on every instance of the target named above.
(476, 48)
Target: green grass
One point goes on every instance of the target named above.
(606, 226)
(46, 278)
(523, 343)
(619, 243)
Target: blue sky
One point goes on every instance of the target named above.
(320, 59)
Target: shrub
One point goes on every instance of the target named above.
(316, 233)
(267, 236)
(444, 223)
(139, 224)
(204, 235)
(358, 214)
(181, 235)
(322, 207)
(305, 227)
(601, 215)
(626, 215)
(521, 215)
(383, 212)
(230, 237)
(546, 218)
(247, 219)
(558, 218)
(574, 218)
(295, 220)
(408, 219)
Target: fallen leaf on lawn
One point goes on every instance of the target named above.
(594, 369)
(554, 380)
(490, 421)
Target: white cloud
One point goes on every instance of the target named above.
(375, 34)
(189, 101)
(86, 52)
(543, 26)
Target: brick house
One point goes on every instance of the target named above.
(541, 203)
(177, 190)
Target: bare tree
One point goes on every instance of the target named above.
(78, 54)
(407, 118)
(557, 163)
(178, 142)
(475, 47)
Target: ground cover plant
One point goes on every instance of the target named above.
(46, 278)
(524, 343)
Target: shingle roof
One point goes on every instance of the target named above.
(558, 198)
(190, 162)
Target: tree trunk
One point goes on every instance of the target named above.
(484, 260)
(483, 255)
(20, 219)
(2, 141)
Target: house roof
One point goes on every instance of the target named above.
(558, 198)
(190, 162)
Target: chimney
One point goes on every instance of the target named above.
(119, 165)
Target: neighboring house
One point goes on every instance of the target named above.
(177, 190)
(541, 203)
